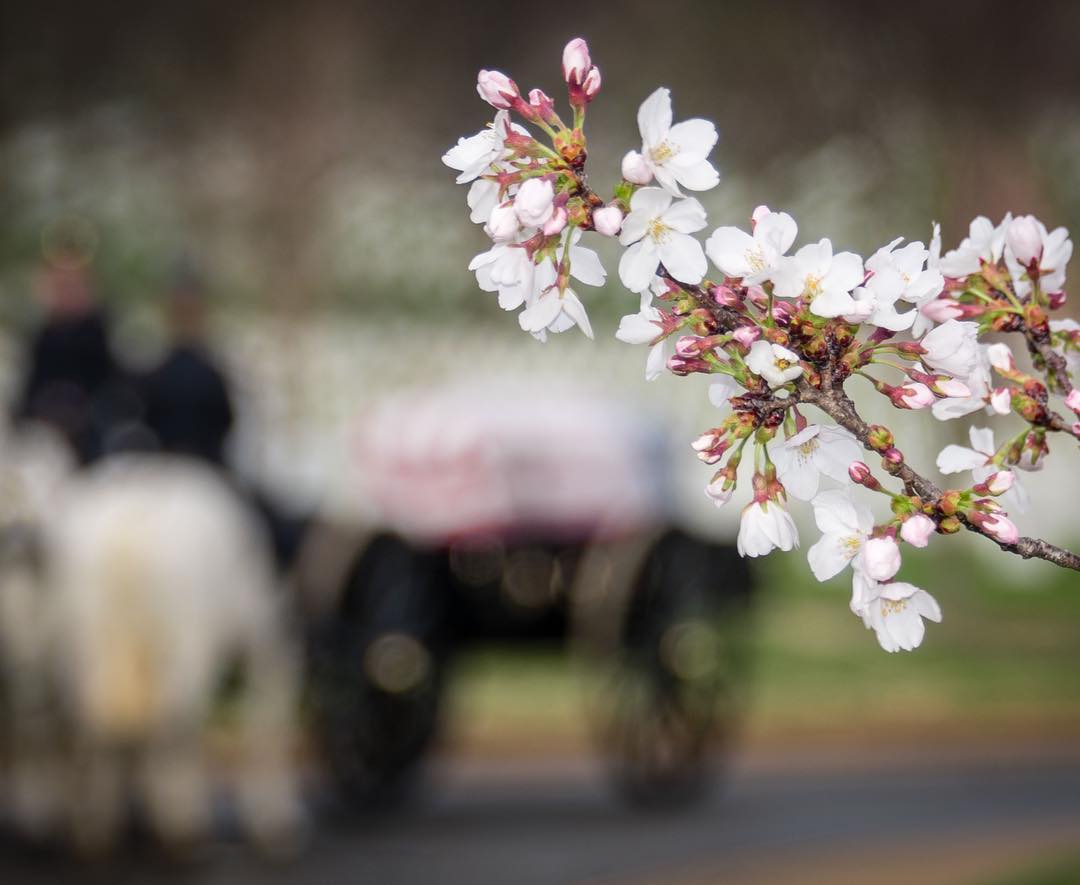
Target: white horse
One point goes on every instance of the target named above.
(152, 583)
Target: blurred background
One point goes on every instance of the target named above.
(260, 185)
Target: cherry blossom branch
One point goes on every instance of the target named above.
(836, 404)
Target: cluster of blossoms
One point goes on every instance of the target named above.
(782, 331)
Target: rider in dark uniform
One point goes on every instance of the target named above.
(70, 374)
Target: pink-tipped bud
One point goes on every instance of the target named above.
(917, 530)
(1024, 239)
(576, 61)
(999, 527)
(1001, 400)
(725, 296)
(636, 169)
(783, 311)
(1073, 400)
(720, 489)
(947, 386)
(746, 335)
(497, 89)
(759, 213)
(758, 296)
(556, 223)
(687, 346)
(538, 98)
(591, 86)
(706, 441)
(892, 455)
(880, 558)
(1056, 300)
(502, 224)
(1001, 358)
(534, 202)
(913, 396)
(860, 473)
(608, 220)
(941, 309)
(1000, 482)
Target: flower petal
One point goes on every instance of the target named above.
(654, 117)
(683, 257)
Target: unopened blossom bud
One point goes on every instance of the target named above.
(913, 396)
(1056, 300)
(725, 296)
(947, 386)
(881, 558)
(950, 525)
(591, 86)
(576, 61)
(497, 89)
(917, 530)
(941, 309)
(999, 482)
(502, 224)
(746, 335)
(880, 438)
(542, 105)
(1024, 239)
(533, 202)
(860, 473)
(608, 220)
(706, 441)
(1073, 400)
(556, 223)
(680, 365)
(892, 456)
(722, 486)
(997, 526)
(688, 345)
(1001, 400)
(635, 169)
(759, 213)
(1001, 357)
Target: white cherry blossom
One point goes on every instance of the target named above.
(984, 242)
(845, 526)
(657, 230)
(554, 311)
(815, 450)
(1052, 249)
(979, 460)
(474, 155)
(642, 328)
(922, 282)
(776, 364)
(675, 155)
(823, 279)
(896, 613)
(875, 302)
(752, 257)
(766, 525)
(952, 347)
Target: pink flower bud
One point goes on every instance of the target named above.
(538, 98)
(716, 491)
(688, 345)
(533, 202)
(706, 441)
(881, 558)
(636, 169)
(757, 296)
(746, 335)
(591, 86)
(759, 213)
(502, 224)
(725, 296)
(917, 530)
(915, 396)
(1024, 239)
(1073, 400)
(1056, 300)
(497, 89)
(608, 220)
(1000, 482)
(1001, 400)
(556, 223)
(941, 309)
(893, 455)
(999, 527)
(859, 472)
(576, 61)
(952, 387)
(1001, 357)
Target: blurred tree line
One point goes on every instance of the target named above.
(294, 148)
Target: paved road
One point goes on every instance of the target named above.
(834, 817)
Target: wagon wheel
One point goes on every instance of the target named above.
(376, 667)
(669, 701)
